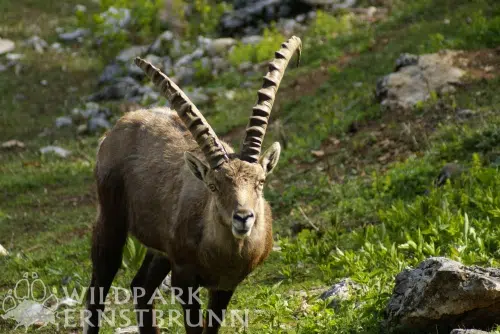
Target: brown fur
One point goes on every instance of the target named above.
(146, 188)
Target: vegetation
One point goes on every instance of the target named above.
(375, 208)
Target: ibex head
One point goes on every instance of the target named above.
(235, 182)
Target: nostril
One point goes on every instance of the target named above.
(243, 216)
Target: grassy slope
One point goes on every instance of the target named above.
(372, 218)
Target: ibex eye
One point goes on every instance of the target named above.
(212, 187)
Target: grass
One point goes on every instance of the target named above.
(375, 216)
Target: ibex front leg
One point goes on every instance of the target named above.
(186, 287)
(153, 271)
(218, 300)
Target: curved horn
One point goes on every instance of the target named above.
(256, 128)
(190, 115)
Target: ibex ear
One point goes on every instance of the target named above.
(270, 158)
(197, 167)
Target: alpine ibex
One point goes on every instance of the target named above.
(197, 206)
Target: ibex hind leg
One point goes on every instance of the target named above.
(109, 237)
(153, 271)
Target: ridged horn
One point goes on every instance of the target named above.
(204, 135)
(256, 128)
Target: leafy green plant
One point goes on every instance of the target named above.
(205, 17)
(330, 26)
(259, 52)
(133, 253)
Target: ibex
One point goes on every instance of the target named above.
(198, 207)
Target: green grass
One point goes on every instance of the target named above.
(374, 218)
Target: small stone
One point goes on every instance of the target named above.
(127, 330)
(3, 68)
(6, 45)
(97, 123)
(155, 60)
(312, 15)
(301, 18)
(121, 88)
(468, 331)
(67, 301)
(465, 113)
(220, 46)
(14, 56)
(188, 59)
(80, 8)
(183, 75)
(339, 292)
(245, 66)
(44, 83)
(110, 72)
(3, 251)
(230, 94)
(82, 128)
(370, 12)
(36, 43)
(59, 151)
(159, 44)
(130, 53)
(115, 19)
(12, 144)
(220, 64)
(197, 96)
(446, 21)
(63, 121)
(167, 65)
(318, 153)
(57, 47)
(252, 40)
(75, 35)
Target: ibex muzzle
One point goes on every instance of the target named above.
(166, 178)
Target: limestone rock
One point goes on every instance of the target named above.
(441, 295)
(416, 78)
(6, 45)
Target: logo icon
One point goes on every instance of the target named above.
(28, 303)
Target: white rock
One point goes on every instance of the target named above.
(6, 45)
(74, 35)
(220, 46)
(130, 53)
(230, 94)
(56, 150)
(254, 39)
(14, 56)
(36, 43)
(3, 251)
(414, 82)
(57, 47)
(197, 96)
(80, 8)
(370, 12)
(67, 301)
(166, 37)
(116, 19)
(63, 121)
(127, 330)
(12, 144)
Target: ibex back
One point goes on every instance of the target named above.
(164, 177)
